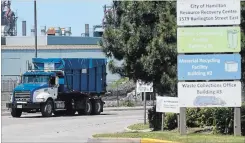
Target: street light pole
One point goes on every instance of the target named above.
(35, 23)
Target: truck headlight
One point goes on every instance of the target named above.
(40, 99)
(11, 98)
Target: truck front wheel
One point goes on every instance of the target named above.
(15, 112)
(96, 107)
(47, 109)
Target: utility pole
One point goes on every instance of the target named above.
(144, 108)
(35, 23)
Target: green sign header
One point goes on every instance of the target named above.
(209, 39)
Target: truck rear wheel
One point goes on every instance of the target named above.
(15, 112)
(96, 107)
(87, 110)
(47, 109)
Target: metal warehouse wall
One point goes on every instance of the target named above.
(25, 40)
(67, 40)
(49, 40)
(14, 62)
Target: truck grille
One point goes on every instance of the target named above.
(22, 96)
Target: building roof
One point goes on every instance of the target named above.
(49, 40)
(50, 47)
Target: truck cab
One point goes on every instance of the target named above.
(34, 89)
(61, 87)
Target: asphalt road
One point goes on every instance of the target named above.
(34, 128)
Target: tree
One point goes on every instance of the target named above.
(243, 38)
(143, 35)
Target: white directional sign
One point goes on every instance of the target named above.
(144, 87)
(167, 104)
(208, 12)
(210, 94)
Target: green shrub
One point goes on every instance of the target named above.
(191, 117)
(155, 119)
(222, 119)
(205, 117)
(127, 103)
(170, 121)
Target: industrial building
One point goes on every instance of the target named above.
(54, 42)
(18, 51)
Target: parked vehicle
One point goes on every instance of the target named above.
(62, 86)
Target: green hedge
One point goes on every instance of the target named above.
(170, 121)
(221, 119)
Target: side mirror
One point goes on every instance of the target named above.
(19, 80)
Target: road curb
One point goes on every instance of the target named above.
(148, 140)
(126, 140)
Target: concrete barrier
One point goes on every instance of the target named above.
(127, 140)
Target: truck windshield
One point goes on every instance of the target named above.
(35, 79)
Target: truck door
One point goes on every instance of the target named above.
(53, 90)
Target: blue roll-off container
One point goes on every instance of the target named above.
(80, 74)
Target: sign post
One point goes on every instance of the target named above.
(182, 128)
(144, 108)
(178, 120)
(237, 121)
(162, 128)
(206, 64)
(143, 88)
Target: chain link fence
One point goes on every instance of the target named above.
(116, 95)
(8, 85)
(124, 94)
